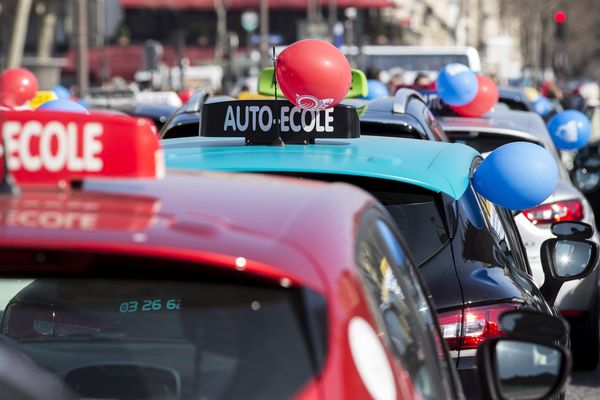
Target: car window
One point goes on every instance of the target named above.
(514, 239)
(480, 242)
(499, 226)
(389, 129)
(485, 143)
(146, 336)
(416, 211)
(431, 125)
(516, 105)
(390, 297)
(434, 126)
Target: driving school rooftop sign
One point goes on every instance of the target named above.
(43, 147)
(262, 121)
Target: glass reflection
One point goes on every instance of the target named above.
(526, 370)
(571, 258)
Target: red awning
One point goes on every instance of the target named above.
(251, 4)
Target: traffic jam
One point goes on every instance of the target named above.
(319, 236)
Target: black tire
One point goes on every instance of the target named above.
(585, 337)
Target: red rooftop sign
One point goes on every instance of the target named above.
(47, 147)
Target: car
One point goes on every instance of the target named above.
(123, 280)
(515, 98)
(406, 114)
(578, 301)
(157, 106)
(467, 249)
(413, 60)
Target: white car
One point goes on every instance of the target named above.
(577, 300)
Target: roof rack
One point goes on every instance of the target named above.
(195, 103)
(401, 99)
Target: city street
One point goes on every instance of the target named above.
(584, 385)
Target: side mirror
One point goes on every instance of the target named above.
(586, 171)
(521, 369)
(572, 230)
(533, 325)
(585, 179)
(568, 257)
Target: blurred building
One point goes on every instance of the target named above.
(483, 24)
(196, 32)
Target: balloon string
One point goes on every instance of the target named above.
(278, 141)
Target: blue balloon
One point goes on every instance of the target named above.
(61, 92)
(570, 130)
(456, 84)
(542, 105)
(63, 105)
(517, 176)
(376, 89)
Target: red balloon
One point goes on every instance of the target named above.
(485, 99)
(17, 86)
(185, 95)
(313, 74)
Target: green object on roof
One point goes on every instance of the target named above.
(266, 87)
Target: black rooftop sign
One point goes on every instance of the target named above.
(256, 120)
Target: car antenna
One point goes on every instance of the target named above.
(7, 183)
(277, 141)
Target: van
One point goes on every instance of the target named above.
(413, 59)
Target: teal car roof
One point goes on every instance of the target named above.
(440, 167)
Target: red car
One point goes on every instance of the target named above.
(200, 285)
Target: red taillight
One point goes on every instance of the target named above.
(569, 210)
(571, 313)
(469, 327)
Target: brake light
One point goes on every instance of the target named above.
(468, 328)
(569, 210)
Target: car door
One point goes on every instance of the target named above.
(404, 315)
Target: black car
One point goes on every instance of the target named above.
(468, 250)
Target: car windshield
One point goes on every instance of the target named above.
(144, 336)
(484, 142)
(385, 129)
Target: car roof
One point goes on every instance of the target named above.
(440, 167)
(275, 223)
(511, 91)
(381, 110)
(524, 125)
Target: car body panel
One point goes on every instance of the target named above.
(440, 167)
(214, 219)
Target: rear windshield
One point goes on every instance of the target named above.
(415, 211)
(484, 143)
(144, 336)
(514, 104)
(383, 129)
